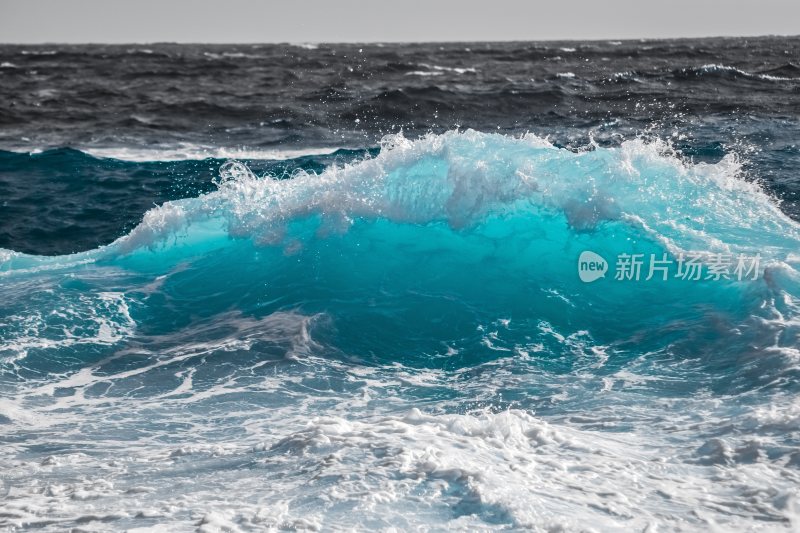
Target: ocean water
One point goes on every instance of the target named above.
(337, 287)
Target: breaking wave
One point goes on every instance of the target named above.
(408, 332)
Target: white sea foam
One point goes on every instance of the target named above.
(39, 52)
(198, 152)
(457, 70)
(231, 55)
(713, 67)
(424, 73)
(102, 319)
(474, 471)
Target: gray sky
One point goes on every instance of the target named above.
(240, 21)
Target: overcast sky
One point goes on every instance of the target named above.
(239, 21)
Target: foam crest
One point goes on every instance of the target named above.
(461, 178)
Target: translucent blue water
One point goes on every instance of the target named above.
(404, 341)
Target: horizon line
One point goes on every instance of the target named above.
(296, 43)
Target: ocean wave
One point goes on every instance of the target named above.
(306, 46)
(408, 331)
(521, 207)
(457, 70)
(470, 176)
(626, 76)
(188, 152)
(231, 55)
(713, 68)
(39, 52)
(424, 73)
(197, 152)
(399, 337)
(460, 199)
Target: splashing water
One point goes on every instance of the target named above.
(404, 341)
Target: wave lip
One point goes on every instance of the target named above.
(461, 178)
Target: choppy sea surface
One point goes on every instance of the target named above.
(336, 287)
